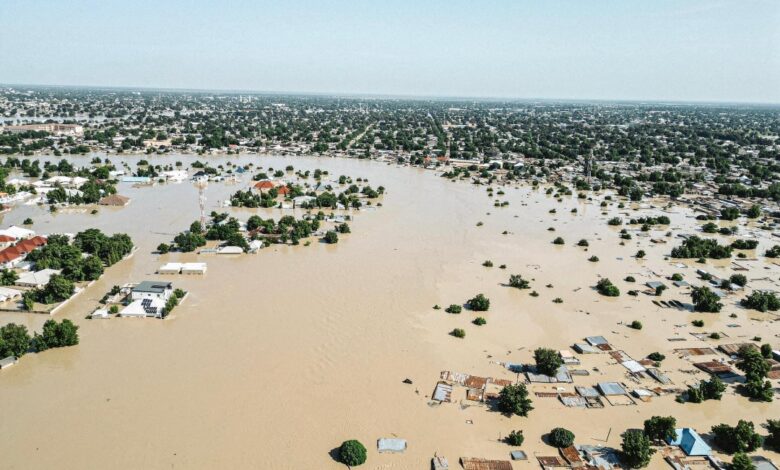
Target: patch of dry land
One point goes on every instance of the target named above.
(277, 358)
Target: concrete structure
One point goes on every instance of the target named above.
(144, 307)
(36, 279)
(152, 290)
(51, 128)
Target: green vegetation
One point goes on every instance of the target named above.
(548, 361)
(173, 301)
(453, 308)
(636, 451)
(756, 368)
(352, 453)
(458, 333)
(513, 400)
(14, 340)
(517, 281)
(704, 300)
(660, 428)
(762, 301)
(695, 247)
(711, 389)
(558, 241)
(741, 461)
(479, 321)
(561, 437)
(739, 438)
(515, 438)
(636, 325)
(56, 335)
(479, 303)
(606, 288)
(331, 237)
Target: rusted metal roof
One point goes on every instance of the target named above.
(551, 461)
(572, 455)
(484, 464)
(713, 367)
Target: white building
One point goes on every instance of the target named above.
(152, 290)
(36, 279)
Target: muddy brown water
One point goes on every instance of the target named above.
(276, 358)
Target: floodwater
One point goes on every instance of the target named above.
(274, 359)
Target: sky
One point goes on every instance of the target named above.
(667, 50)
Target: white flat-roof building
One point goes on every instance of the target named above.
(36, 279)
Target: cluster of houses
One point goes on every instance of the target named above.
(641, 381)
(16, 243)
(146, 299)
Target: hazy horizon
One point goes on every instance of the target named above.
(692, 51)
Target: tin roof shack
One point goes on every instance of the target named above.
(762, 463)
(601, 457)
(615, 394)
(470, 463)
(675, 457)
(722, 370)
(439, 463)
(732, 350)
(442, 392)
(392, 445)
(562, 376)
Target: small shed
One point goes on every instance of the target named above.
(8, 361)
(194, 268)
(169, 268)
(392, 445)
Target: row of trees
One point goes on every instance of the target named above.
(15, 340)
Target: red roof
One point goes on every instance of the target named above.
(26, 246)
(9, 254)
(7, 238)
(265, 184)
(283, 190)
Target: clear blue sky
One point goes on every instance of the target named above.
(688, 50)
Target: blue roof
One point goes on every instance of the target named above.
(690, 442)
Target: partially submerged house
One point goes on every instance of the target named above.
(36, 279)
(114, 200)
(152, 290)
(690, 442)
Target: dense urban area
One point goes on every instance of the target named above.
(619, 262)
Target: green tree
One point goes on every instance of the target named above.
(517, 281)
(739, 438)
(561, 437)
(8, 277)
(761, 301)
(756, 368)
(636, 449)
(754, 212)
(704, 300)
(352, 453)
(14, 340)
(515, 438)
(773, 440)
(547, 361)
(56, 335)
(513, 400)
(741, 461)
(606, 288)
(331, 237)
(660, 428)
(479, 303)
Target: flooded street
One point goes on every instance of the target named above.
(276, 358)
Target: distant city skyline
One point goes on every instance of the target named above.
(682, 51)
